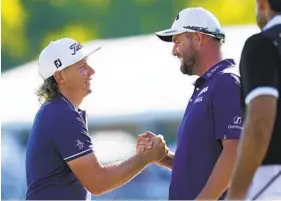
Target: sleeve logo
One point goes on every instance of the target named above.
(237, 120)
(79, 144)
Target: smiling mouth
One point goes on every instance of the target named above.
(87, 82)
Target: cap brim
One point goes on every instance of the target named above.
(167, 34)
(92, 51)
(86, 54)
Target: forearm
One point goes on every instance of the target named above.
(251, 151)
(219, 179)
(119, 173)
(167, 161)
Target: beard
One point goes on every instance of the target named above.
(188, 63)
(261, 20)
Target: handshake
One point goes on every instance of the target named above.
(152, 146)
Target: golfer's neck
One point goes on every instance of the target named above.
(74, 98)
(208, 61)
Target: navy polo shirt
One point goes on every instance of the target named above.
(59, 134)
(213, 113)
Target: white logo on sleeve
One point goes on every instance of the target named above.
(79, 144)
(237, 121)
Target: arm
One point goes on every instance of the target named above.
(219, 180)
(167, 161)
(228, 125)
(74, 145)
(254, 143)
(260, 81)
(99, 179)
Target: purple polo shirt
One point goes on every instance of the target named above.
(213, 114)
(59, 134)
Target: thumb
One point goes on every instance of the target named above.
(160, 136)
(149, 134)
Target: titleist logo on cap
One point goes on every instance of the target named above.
(75, 47)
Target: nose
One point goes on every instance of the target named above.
(174, 51)
(91, 71)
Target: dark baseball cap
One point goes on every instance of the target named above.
(275, 5)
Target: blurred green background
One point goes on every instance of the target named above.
(28, 25)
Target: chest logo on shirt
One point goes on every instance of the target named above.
(205, 89)
(200, 98)
(79, 144)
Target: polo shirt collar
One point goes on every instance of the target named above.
(214, 70)
(66, 101)
(62, 97)
(275, 20)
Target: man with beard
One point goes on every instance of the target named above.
(210, 129)
(261, 142)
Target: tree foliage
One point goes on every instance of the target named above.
(28, 25)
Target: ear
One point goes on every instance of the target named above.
(262, 4)
(59, 77)
(198, 39)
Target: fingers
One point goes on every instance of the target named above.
(166, 150)
(146, 135)
(140, 149)
(150, 134)
(149, 140)
(159, 141)
(144, 141)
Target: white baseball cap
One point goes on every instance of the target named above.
(196, 19)
(60, 54)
